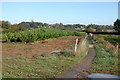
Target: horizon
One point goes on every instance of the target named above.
(100, 13)
(59, 23)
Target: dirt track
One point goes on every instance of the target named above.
(77, 71)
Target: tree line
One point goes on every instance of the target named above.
(101, 28)
(8, 27)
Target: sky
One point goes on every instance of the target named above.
(103, 13)
(119, 10)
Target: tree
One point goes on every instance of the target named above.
(16, 27)
(61, 26)
(6, 24)
(45, 25)
(56, 25)
(117, 25)
(90, 29)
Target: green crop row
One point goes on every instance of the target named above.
(37, 34)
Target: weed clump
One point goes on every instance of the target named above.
(68, 53)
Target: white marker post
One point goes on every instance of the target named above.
(76, 44)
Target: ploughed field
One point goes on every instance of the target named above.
(16, 49)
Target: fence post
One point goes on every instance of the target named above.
(76, 45)
(117, 47)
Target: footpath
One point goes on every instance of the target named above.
(78, 71)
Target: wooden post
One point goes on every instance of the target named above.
(76, 44)
(117, 48)
(83, 42)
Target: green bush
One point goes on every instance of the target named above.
(32, 35)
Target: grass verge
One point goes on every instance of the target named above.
(105, 61)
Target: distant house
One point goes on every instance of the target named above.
(51, 25)
(80, 28)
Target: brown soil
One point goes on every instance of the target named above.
(38, 47)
